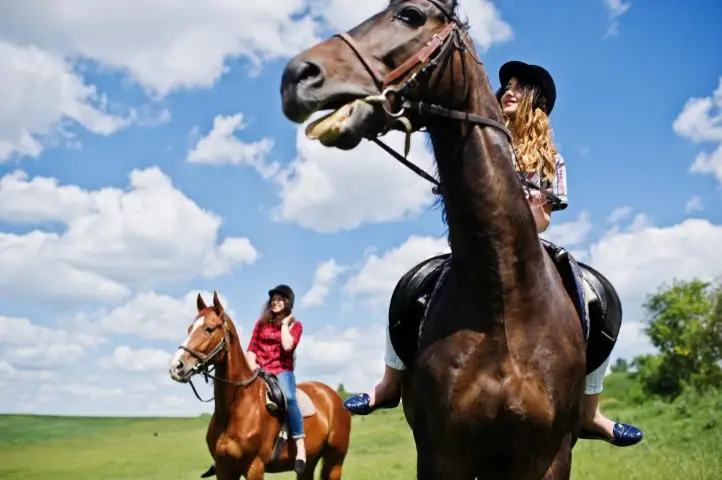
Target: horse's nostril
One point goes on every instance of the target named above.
(301, 71)
(310, 73)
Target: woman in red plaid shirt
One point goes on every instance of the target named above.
(272, 347)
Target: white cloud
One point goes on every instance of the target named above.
(116, 392)
(172, 45)
(327, 190)
(569, 233)
(380, 273)
(41, 96)
(330, 355)
(113, 239)
(151, 316)
(701, 121)
(323, 277)
(136, 360)
(615, 9)
(694, 204)
(25, 344)
(221, 145)
(619, 214)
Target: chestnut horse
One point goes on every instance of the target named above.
(496, 390)
(242, 432)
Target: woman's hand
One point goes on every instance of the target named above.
(287, 320)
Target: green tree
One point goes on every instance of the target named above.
(684, 323)
(620, 366)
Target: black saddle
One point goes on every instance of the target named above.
(593, 296)
(278, 407)
(275, 393)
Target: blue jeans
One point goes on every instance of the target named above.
(287, 382)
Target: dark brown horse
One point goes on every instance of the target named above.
(499, 374)
(243, 432)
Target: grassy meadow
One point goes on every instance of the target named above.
(683, 440)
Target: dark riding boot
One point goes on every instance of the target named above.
(361, 404)
(625, 435)
(211, 472)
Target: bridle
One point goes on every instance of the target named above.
(450, 37)
(202, 367)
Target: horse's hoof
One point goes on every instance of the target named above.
(361, 404)
(211, 472)
(300, 466)
(625, 435)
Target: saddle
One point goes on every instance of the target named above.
(595, 300)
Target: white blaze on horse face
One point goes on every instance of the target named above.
(182, 362)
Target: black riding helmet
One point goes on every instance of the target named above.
(284, 291)
(530, 74)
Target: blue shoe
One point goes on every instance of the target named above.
(360, 404)
(625, 435)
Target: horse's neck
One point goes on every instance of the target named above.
(491, 231)
(234, 369)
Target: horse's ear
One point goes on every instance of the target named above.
(200, 303)
(217, 303)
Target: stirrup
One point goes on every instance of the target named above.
(270, 404)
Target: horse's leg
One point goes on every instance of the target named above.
(332, 464)
(429, 464)
(224, 472)
(561, 468)
(257, 470)
(310, 469)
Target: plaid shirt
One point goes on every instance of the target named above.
(266, 344)
(558, 183)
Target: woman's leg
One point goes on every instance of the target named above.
(597, 426)
(287, 381)
(387, 393)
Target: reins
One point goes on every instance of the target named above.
(450, 38)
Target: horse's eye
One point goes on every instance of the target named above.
(209, 329)
(412, 16)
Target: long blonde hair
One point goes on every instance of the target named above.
(532, 134)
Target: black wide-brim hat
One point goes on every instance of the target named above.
(285, 291)
(531, 74)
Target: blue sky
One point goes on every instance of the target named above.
(98, 276)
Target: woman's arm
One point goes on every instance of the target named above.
(558, 188)
(290, 334)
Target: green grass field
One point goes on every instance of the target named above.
(683, 441)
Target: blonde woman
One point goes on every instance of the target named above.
(527, 97)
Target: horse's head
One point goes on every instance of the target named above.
(406, 52)
(209, 338)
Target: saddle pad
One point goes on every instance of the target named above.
(305, 403)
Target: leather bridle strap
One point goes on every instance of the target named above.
(362, 58)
